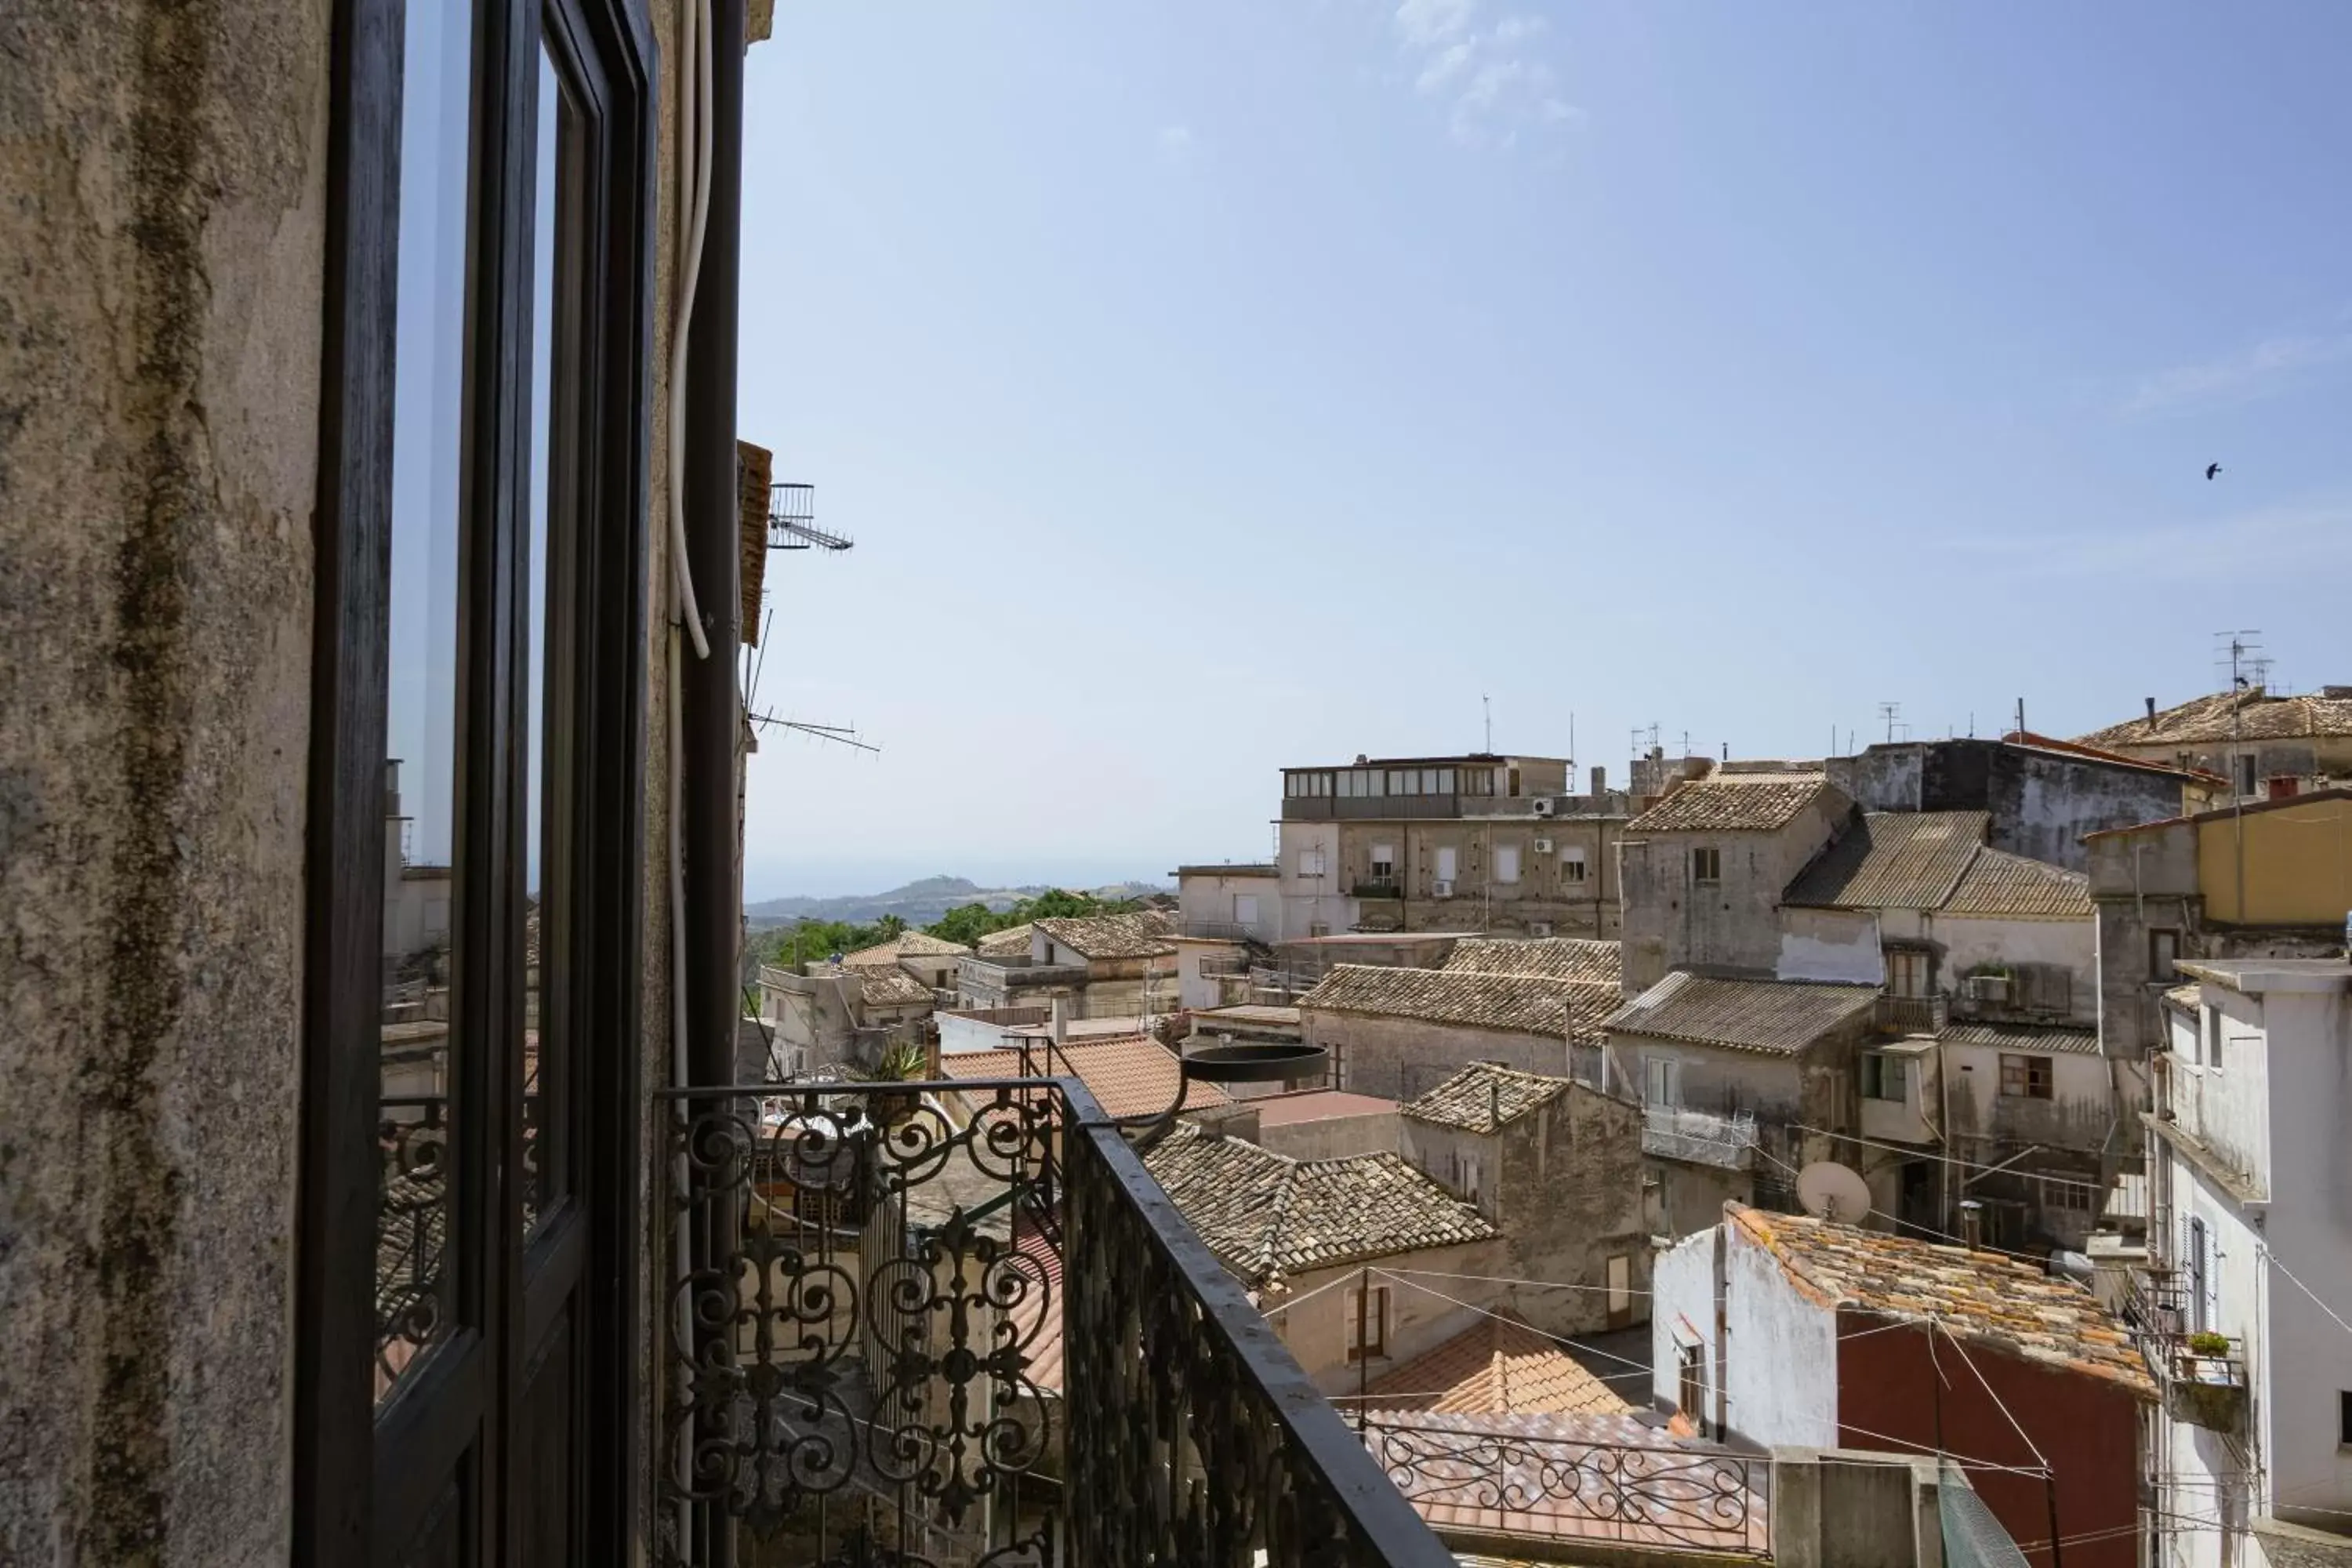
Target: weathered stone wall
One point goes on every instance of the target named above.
(165, 178)
(1400, 1058)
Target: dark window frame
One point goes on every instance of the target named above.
(353, 1499)
(2033, 1076)
(1706, 864)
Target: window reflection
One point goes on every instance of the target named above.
(542, 1068)
(420, 830)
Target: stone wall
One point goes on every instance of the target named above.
(160, 335)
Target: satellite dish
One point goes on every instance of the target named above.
(1832, 1190)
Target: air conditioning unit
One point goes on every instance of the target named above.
(1442, 890)
(1543, 805)
(1988, 988)
(1543, 845)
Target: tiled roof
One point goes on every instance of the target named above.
(1980, 1298)
(1560, 957)
(1132, 1077)
(1141, 935)
(1497, 1366)
(1316, 1105)
(1524, 1004)
(2022, 1037)
(1893, 860)
(1483, 1098)
(1268, 1216)
(2184, 997)
(906, 944)
(1778, 1016)
(1009, 943)
(890, 988)
(2207, 721)
(2000, 883)
(1738, 803)
(1037, 1314)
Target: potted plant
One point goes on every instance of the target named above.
(904, 1062)
(2205, 1388)
(2205, 1343)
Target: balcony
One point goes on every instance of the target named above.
(1911, 1015)
(937, 1325)
(2202, 1375)
(1014, 974)
(1699, 1137)
(1377, 887)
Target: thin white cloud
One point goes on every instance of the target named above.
(2242, 544)
(1493, 79)
(1176, 146)
(2269, 367)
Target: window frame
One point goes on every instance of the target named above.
(2035, 1075)
(2164, 954)
(1367, 1323)
(1706, 865)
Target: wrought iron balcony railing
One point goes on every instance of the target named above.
(881, 1348)
(1913, 1015)
(2202, 1375)
(1378, 888)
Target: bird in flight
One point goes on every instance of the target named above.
(2212, 468)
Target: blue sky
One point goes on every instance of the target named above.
(1216, 387)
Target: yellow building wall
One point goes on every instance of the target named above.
(2298, 865)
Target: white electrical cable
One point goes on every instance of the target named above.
(694, 103)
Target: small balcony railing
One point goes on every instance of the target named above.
(1377, 887)
(2202, 1375)
(1913, 1015)
(877, 1351)
(1699, 1137)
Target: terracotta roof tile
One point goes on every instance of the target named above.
(1735, 803)
(1483, 1098)
(906, 944)
(1141, 935)
(1524, 1004)
(2207, 721)
(1130, 1076)
(1497, 1366)
(891, 988)
(1980, 1298)
(1558, 957)
(1268, 1216)
(1009, 943)
(1778, 1016)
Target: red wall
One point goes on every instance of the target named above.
(2086, 1426)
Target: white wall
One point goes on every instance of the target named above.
(1308, 901)
(1830, 944)
(2070, 942)
(1682, 1313)
(1782, 1355)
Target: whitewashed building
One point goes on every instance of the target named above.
(2242, 1311)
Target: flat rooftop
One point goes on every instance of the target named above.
(1316, 1105)
(2256, 975)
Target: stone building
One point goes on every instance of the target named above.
(1287, 1228)
(1100, 966)
(2264, 745)
(1556, 1166)
(2038, 795)
(1705, 868)
(1470, 843)
(928, 959)
(1398, 1032)
(832, 1016)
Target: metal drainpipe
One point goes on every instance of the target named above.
(712, 714)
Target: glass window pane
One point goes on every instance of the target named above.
(413, 1229)
(542, 1065)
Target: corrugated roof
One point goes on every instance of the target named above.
(1560, 957)
(1484, 1097)
(1893, 860)
(1497, 1366)
(906, 944)
(1132, 1077)
(2210, 721)
(1524, 1004)
(1778, 1016)
(1267, 1216)
(2022, 1037)
(1139, 935)
(1734, 803)
(1998, 883)
(1980, 1298)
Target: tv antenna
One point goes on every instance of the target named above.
(791, 520)
(839, 734)
(1891, 714)
(1487, 706)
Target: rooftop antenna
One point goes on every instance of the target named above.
(791, 520)
(839, 734)
(1891, 713)
(1486, 704)
(2244, 655)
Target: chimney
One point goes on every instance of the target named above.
(1600, 782)
(1972, 1222)
(2151, 709)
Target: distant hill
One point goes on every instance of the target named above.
(919, 903)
